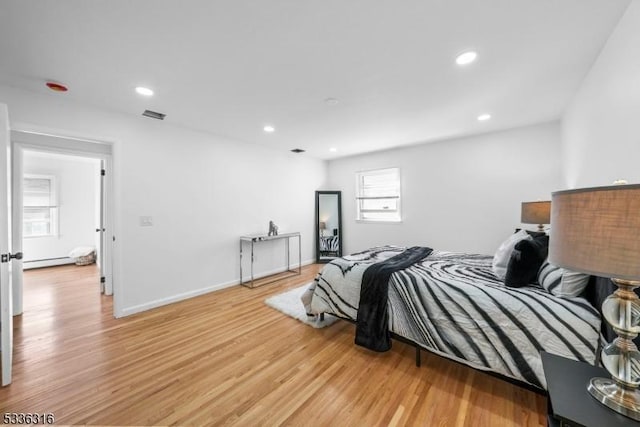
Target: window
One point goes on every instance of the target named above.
(40, 206)
(378, 195)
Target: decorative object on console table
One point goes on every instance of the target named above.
(536, 213)
(568, 403)
(597, 231)
(273, 229)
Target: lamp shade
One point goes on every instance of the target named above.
(597, 231)
(536, 212)
(323, 225)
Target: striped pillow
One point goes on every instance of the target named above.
(562, 282)
(549, 276)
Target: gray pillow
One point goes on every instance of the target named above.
(560, 281)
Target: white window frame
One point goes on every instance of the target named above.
(53, 207)
(361, 213)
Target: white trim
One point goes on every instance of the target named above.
(6, 299)
(378, 221)
(174, 298)
(62, 144)
(43, 142)
(279, 270)
(28, 265)
(191, 294)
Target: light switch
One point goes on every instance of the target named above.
(146, 221)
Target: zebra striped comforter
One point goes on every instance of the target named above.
(453, 305)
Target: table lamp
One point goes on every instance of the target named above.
(536, 213)
(597, 231)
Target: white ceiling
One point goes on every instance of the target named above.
(230, 67)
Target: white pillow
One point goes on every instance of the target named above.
(81, 251)
(501, 258)
(560, 281)
(573, 283)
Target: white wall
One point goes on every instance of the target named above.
(76, 193)
(601, 127)
(201, 190)
(461, 195)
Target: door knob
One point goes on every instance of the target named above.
(10, 256)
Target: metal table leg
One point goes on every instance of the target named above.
(299, 255)
(252, 263)
(241, 262)
(286, 248)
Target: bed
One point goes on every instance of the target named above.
(453, 305)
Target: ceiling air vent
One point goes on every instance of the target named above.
(297, 150)
(154, 115)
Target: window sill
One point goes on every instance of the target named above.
(373, 221)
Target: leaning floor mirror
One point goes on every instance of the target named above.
(328, 226)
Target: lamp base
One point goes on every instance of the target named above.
(622, 400)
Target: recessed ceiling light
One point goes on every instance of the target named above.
(466, 58)
(144, 91)
(333, 149)
(484, 117)
(331, 101)
(269, 129)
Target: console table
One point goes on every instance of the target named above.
(253, 239)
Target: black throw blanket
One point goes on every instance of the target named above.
(372, 323)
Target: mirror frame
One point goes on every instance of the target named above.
(317, 225)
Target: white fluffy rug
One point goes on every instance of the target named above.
(290, 304)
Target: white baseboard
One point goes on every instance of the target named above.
(28, 265)
(256, 276)
(191, 294)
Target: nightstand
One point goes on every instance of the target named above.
(568, 402)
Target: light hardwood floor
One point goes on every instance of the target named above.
(227, 359)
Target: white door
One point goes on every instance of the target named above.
(106, 217)
(6, 299)
(15, 222)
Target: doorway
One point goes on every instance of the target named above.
(55, 181)
(61, 210)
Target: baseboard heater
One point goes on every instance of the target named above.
(49, 262)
